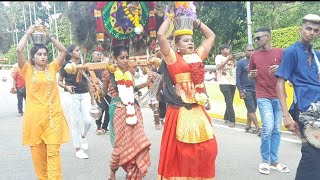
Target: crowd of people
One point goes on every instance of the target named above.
(185, 152)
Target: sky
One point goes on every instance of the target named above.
(6, 3)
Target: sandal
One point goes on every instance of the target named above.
(247, 129)
(259, 132)
(264, 168)
(280, 167)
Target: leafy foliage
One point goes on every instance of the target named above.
(227, 20)
(83, 23)
(284, 37)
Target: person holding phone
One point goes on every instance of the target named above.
(78, 100)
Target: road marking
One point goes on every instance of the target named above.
(241, 130)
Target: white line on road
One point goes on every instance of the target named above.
(241, 130)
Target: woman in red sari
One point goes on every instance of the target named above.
(188, 147)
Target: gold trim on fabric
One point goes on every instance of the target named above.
(183, 77)
(183, 178)
(186, 91)
(193, 126)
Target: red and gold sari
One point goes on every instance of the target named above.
(188, 147)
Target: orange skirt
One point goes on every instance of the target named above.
(180, 160)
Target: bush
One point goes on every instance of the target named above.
(285, 37)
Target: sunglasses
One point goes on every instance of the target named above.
(258, 38)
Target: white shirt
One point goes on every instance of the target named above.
(227, 74)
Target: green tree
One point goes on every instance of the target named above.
(227, 20)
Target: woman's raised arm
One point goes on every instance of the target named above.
(161, 35)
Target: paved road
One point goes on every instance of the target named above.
(237, 159)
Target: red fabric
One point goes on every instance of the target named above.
(19, 79)
(99, 24)
(180, 66)
(179, 159)
(265, 81)
(100, 5)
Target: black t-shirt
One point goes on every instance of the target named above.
(70, 80)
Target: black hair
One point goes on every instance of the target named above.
(118, 49)
(69, 51)
(263, 29)
(35, 49)
(223, 46)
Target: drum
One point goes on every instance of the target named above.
(312, 134)
(311, 121)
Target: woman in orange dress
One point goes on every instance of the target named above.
(188, 147)
(44, 125)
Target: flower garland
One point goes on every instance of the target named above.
(124, 83)
(134, 19)
(197, 75)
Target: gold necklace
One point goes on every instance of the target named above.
(49, 80)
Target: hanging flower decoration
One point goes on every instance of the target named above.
(99, 22)
(135, 19)
(152, 19)
(124, 83)
(121, 23)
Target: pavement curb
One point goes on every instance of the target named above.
(242, 121)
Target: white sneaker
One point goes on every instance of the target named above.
(80, 154)
(84, 143)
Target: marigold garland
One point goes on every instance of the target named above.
(135, 19)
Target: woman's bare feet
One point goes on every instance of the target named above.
(112, 175)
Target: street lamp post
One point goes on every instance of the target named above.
(249, 22)
(25, 27)
(55, 20)
(16, 31)
(13, 39)
(48, 7)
